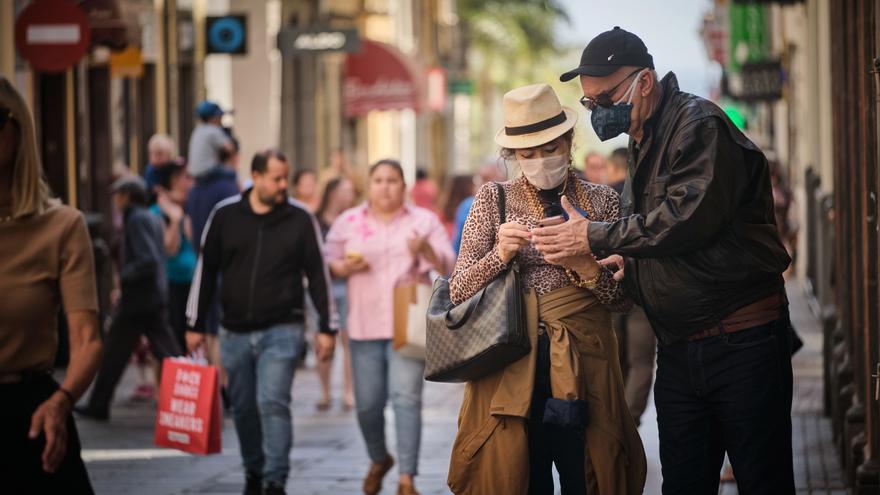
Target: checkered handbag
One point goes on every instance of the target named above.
(481, 335)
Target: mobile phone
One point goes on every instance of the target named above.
(551, 221)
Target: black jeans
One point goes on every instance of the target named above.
(124, 334)
(21, 468)
(730, 393)
(548, 443)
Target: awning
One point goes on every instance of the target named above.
(378, 77)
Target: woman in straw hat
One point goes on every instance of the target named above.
(564, 402)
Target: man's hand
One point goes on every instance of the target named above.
(51, 420)
(194, 340)
(566, 240)
(616, 263)
(325, 344)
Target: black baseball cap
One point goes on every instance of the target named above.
(610, 51)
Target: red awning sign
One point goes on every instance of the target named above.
(378, 77)
(52, 34)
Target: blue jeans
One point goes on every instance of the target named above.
(379, 371)
(730, 393)
(260, 366)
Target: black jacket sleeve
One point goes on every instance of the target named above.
(706, 180)
(318, 275)
(207, 270)
(139, 262)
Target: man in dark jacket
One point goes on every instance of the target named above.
(142, 305)
(705, 262)
(261, 244)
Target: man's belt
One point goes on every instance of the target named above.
(756, 314)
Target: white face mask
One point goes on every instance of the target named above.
(544, 173)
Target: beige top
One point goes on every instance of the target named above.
(46, 260)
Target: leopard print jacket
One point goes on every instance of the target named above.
(478, 261)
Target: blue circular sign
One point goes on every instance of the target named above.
(226, 35)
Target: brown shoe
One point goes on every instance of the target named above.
(378, 470)
(406, 490)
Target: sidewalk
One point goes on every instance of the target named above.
(328, 456)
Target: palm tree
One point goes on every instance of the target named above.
(508, 45)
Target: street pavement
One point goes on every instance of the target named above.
(329, 457)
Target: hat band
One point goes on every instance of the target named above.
(537, 126)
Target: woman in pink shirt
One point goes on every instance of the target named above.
(377, 246)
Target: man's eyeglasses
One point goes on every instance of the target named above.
(5, 116)
(604, 100)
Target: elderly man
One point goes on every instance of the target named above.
(704, 260)
(160, 152)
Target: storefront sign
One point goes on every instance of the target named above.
(226, 34)
(756, 81)
(461, 87)
(761, 81)
(299, 41)
(378, 78)
(749, 37)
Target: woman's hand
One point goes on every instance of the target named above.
(355, 265)
(50, 419)
(511, 237)
(168, 206)
(348, 266)
(420, 247)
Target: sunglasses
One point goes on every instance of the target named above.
(604, 99)
(5, 116)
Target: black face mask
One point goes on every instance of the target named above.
(614, 120)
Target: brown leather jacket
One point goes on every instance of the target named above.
(697, 222)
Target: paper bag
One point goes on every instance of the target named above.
(188, 416)
(410, 319)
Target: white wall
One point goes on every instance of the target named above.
(249, 84)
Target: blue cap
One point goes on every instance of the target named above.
(207, 109)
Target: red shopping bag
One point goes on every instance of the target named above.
(188, 417)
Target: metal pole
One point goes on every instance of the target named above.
(161, 100)
(7, 39)
(70, 137)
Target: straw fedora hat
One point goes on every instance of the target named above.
(533, 116)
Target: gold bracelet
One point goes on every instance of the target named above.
(584, 284)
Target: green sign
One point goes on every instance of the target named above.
(749, 38)
(461, 86)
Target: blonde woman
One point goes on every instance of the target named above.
(40, 451)
(562, 404)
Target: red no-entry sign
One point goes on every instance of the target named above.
(52, 34)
